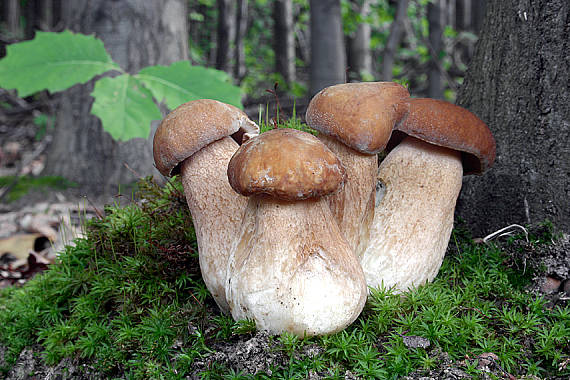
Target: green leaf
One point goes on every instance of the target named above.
(125, 107)
(53, 61)
(181, 82)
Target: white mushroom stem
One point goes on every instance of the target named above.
(353, 206)
(413, 221)
(291, 270)
(217, 211)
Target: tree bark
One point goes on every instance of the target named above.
(328, 61)
(434, 14)
(394, 38)
(136, 33)
(518, 84)
(284, 35)
(359, 54)
(226, 35)
(13, 12)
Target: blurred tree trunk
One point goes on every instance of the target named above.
(394, 38)
(478, 11)
(463, 15)
(136, 33)
(226, 35)
(284, 38)
(434, 15)
(518, 84)
(359, 54)
(328, 61)
(241, 29)
(12, 15)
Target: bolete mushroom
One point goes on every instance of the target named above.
(355, 121)
(194, 140)
(421, 178)
(291, 269)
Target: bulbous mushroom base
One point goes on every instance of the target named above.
(293, 271)
(413, 221)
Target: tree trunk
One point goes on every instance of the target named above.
(359, 54)
(241, 29)
(394, 38)
(284, 35)
(13, 12)
(478, 10)
(328, 61)
(434, 14)
(518, 84)
(136, 33)
(463, 15)
(226, 35)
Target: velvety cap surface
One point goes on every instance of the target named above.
(442, 123)
(287, 164)
(192, 126)
(361, 115)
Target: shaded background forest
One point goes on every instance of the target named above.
(425, 45)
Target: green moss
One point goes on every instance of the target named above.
(130, 292)
(20, 186)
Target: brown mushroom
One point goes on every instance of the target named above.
(194, 140)
(355, 121)
(421, 178)
(291, 269)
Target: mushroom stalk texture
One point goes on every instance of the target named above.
(353, 206)
(217, 211)
(414, 217)
(292, 271)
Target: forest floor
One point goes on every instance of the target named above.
(38, 218)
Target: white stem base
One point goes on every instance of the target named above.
(413, 221)
(292, 270)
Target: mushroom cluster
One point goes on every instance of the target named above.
(292, 229)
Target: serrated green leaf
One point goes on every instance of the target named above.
(125, 107)
(181, 82)
(54, 62)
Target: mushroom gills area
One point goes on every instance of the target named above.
(413, 220)
(353, 206)
(217, 211)
(291, 270)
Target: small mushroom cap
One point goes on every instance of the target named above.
(361, 115)
(286, 164)
(192, 126)
(444, 124)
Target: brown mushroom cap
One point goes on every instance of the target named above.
(286, 164)
(361, 115)
(444, 124)
(192, 126)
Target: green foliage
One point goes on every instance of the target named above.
(20, 186)
(181, 82)
(57, 61)
(124, 106)
(54, 62)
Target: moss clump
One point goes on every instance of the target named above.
(129, 299)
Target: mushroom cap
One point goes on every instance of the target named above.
(285, 164)
(361, 115)
(192, 126)
(444, 124)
